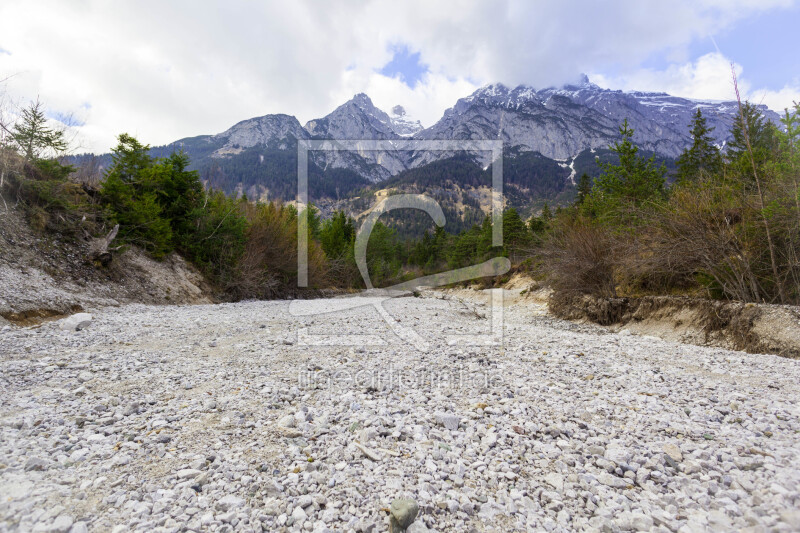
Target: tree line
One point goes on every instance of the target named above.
(728, 227)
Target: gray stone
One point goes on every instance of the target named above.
(403, 512)
(226, 503)
(61, 524)
(36, 464)
(287, 421)
(555, 480)
(673, 452)
(79, 527)
(188, 473)
(612, 481)
(76, 322)
(299, 514)
(448, 420)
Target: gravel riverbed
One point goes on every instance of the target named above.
(217, 418)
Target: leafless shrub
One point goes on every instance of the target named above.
(268, 266)
(710, 233)
(580, 258)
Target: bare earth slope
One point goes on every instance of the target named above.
(46, 274)
(215, 418)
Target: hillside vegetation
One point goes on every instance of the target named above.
(728, 228)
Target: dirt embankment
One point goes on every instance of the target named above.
(754, 328)
(47, 275)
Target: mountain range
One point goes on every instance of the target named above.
(552, 134)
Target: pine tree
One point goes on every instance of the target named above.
(337, 235)
(129, 158)
(630, 183)
(131, 202)
(515, 232)
(702, 158)
(34, 137)
(546, 214)
(584, 188)
(761, 136)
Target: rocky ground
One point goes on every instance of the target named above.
(221, 418)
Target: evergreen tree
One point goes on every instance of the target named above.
(179, 192)
(464, 249)
(161, 206)
(750, 125)
(515, 232)
(383, 253)
(628, 184)
(129, 158)
(546, 214)
(34, 137)
(337, 235)
(584, 188)
(133, 203)
(485, 239)
(702, 157)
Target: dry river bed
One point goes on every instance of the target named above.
(223, 418)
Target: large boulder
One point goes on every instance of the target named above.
(76, 322)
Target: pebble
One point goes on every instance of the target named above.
(449, 421)
(403, 512)
(673, 452)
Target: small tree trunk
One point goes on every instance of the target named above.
(99, 248)
(770, 244)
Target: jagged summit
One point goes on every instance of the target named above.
(358, 118)
(562, 122)
(402, 124)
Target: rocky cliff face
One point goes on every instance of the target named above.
(402, 124)
(559, 123)
(359, 119)
(278, 131)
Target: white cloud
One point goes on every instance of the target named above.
(165, 70)
(425, 102)
(707, 78)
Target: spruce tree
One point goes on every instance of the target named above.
(702, 158)
(515, 232)
(34, 137)
(337, 235)
(584, 188)
(762, 139)
(630, 183)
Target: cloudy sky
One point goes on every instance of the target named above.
(163, 70)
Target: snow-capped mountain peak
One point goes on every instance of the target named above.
(402, 124)
(560, 122)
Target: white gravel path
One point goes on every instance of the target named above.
(214, 418)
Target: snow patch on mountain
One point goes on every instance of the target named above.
(402, 124)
